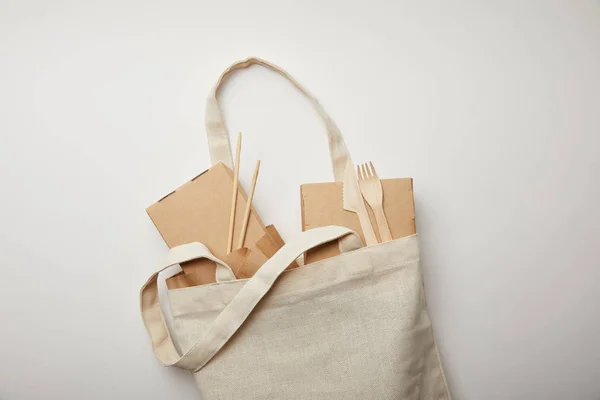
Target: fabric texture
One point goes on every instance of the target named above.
(351, 327)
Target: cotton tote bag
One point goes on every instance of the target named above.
(354, 326)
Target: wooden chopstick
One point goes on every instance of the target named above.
(248, 206)
(234, 193)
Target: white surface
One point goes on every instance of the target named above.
(492, 107)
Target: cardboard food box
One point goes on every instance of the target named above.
(322, 205)
(199, 211)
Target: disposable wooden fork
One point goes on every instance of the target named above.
(370, 187)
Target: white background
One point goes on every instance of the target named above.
(492, 107)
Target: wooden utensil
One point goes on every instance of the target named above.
(234, 192)
(248, 206)
(353, 202)
(370, 187)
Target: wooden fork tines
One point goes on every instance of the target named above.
(370, 187)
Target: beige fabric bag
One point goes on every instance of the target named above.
(354, 326)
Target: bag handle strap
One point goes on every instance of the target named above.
(218, 138)
(241, 306)
(152, 314)
(193, 251)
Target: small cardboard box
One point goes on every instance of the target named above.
(199, 211)
(322, 205)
